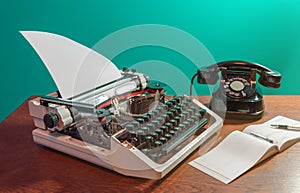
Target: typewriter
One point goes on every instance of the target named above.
(127, 124)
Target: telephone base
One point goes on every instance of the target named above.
(246, 109)
(244, 115)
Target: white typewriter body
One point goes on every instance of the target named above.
(124, 124)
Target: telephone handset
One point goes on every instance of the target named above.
(238, 87)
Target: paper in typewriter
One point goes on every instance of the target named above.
(73, 67)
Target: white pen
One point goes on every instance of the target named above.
(286, 127)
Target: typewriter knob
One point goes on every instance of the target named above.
(51, 120)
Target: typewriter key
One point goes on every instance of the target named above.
(154, 135)
(168, 136)
(178, 119)
(164, 107)
(170, 115)
(145, 130)
(174, 111)
(159, 131)
(140, 120)
(170, 104)
(155, 123)
(169, 126)
(173, 122)
(135, 124)
(202, 112)
(150, 126)
(146, 118)
(164, 129)
(172, 132)
(186, 124)
(149, 140)
(178, 129)
(178, 108)
(163, 140)
(160, 120)
(129, 127)
(155, 113)
(151, 115)
(158, 143)
(198, 115)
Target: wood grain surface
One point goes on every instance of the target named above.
(28, 167)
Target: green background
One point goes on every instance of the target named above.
(266, 32)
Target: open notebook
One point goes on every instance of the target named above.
(240, 151)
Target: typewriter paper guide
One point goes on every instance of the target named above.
(73, 67)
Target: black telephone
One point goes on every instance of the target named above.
(237, 88)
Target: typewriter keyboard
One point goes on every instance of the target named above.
(166, 128)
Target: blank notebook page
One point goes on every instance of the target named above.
(232, 157)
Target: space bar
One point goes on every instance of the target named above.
(183, 136)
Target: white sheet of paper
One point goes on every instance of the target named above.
(232, 157)
(73, 67)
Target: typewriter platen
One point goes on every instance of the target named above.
(126, 125)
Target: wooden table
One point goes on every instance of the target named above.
(27, 167)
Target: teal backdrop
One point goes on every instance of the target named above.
(266, 32)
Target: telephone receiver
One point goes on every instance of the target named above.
(238, 90)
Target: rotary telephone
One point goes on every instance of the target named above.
(237, 90)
